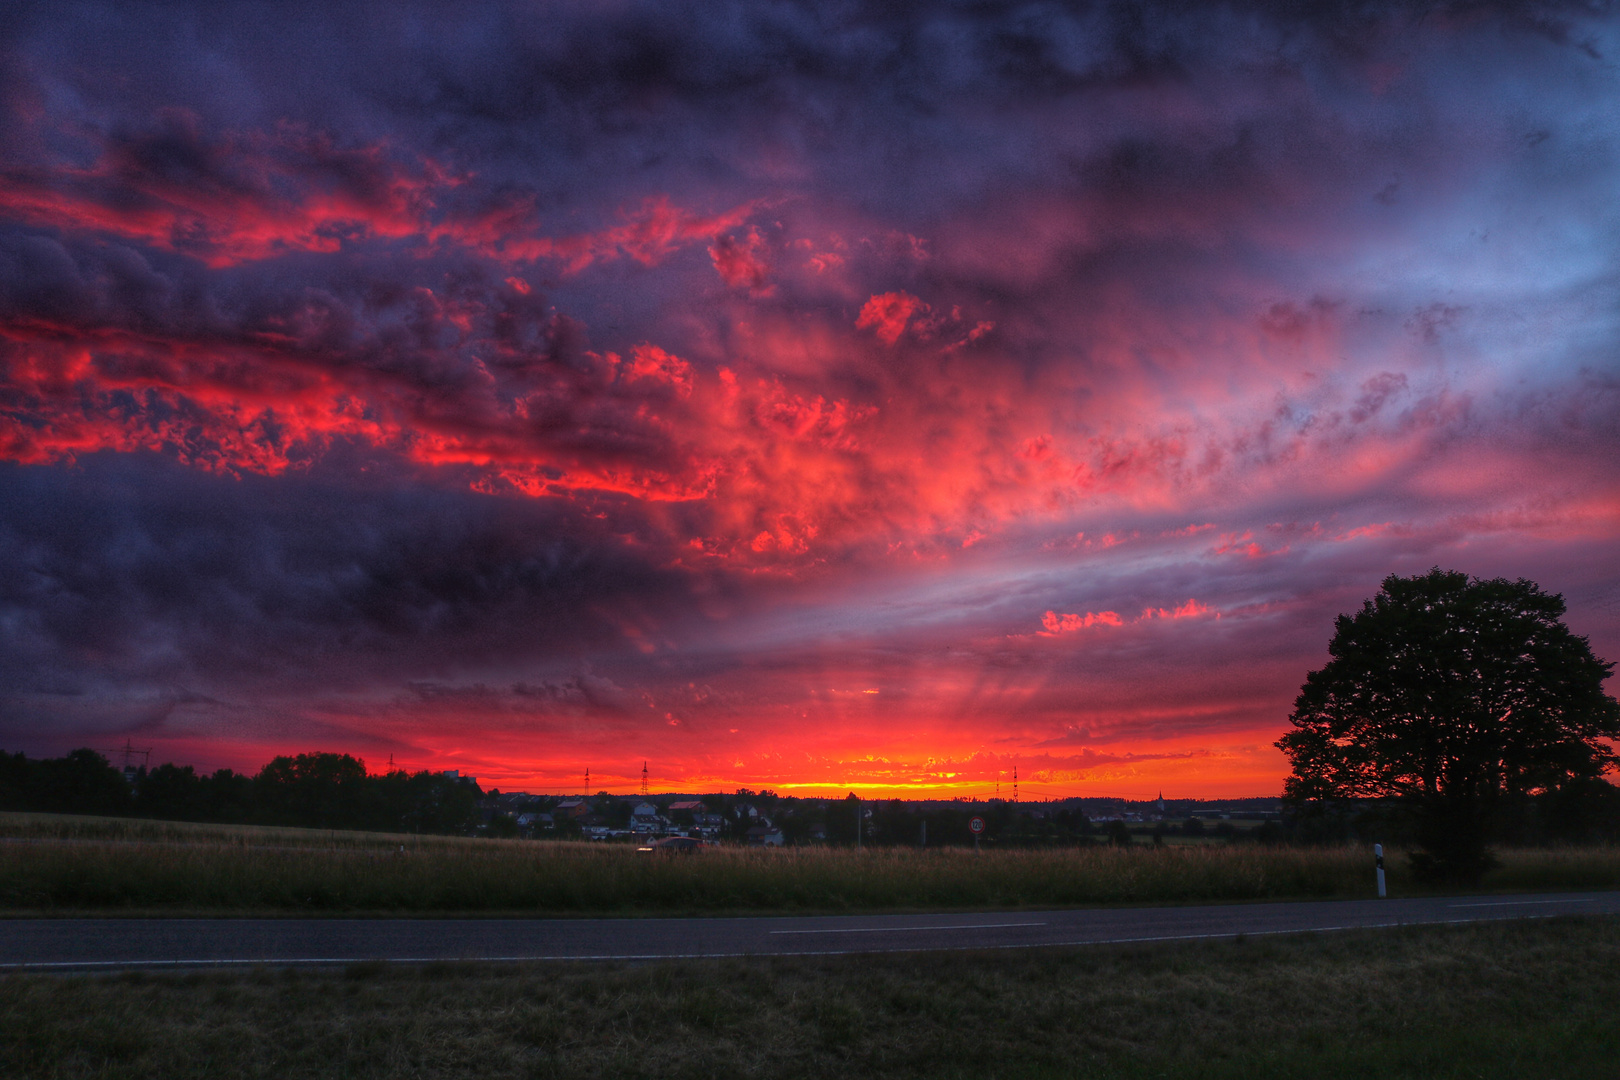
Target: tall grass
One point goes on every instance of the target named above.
(103, 865)
(1495, 1001)
(81, 827)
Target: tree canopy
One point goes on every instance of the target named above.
(1454, 694)
(320, 790)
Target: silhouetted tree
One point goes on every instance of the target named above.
(617, 812)
(171, 792)
(1269, 832)
(15, 771)
(80, 783)
(325, 791)
(841, 818)
(228, 796)
(430, 802)
(1072, 822)
(1457, 696)
(331, 791)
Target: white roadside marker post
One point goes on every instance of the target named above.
(1378, 854)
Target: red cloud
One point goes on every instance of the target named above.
(648, 234)
(1247, 546)
(230, 198)
(886, 314)
(650, 364)
(741, 263)
(1191, 609)
(1056, 624)
(1067, 624)
(790, 436)
(233, 197)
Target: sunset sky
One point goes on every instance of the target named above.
(814, 396)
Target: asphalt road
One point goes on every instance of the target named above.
(95, 944)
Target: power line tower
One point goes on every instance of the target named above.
(645, 791)
(130, 752)
(1015, 785)
(587, 781)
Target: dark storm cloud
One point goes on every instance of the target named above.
(561, 95)
(135, 573)
(442, 347)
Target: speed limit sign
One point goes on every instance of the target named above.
(975, 825)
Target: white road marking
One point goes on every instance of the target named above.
(1520, 903)
(900, 929)
(1078, 943)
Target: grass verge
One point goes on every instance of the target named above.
(1521, 1000)
(105, 866)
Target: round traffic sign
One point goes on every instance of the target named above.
(976, 825)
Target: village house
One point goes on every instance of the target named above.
(765, 836)
(573, 808)
(695, 814)
(645, 820)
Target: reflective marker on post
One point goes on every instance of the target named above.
(1378, 854)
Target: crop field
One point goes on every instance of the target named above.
(63, 865)
(1532, 1000)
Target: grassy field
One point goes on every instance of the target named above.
(81, 827)
(54, 864)
(1518, 1001)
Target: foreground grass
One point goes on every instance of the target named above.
(1520, 1000)
(59, 865)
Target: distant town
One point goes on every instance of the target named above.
(335, 791)
(764, 818)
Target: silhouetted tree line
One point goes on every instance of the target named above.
(322, 791)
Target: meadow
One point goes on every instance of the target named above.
(1530, 1000)
(58, 864)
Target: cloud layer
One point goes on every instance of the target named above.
(788, 394)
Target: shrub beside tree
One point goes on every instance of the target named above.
(1464, 700)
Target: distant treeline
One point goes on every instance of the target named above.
(321, 791)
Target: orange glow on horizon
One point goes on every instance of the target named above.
(1239, 764)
